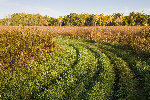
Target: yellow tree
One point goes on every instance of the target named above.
(83, 18)
(110, 20)
(96, 19)
(60, 20)
(118, 19)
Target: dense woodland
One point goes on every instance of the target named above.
(74, 19)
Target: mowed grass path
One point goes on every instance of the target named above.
(130, 71)
(81, 70)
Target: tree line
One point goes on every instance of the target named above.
(74, 19)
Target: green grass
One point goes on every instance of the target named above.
(34, 78)
(78, 70)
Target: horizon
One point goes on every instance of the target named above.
(65, 7)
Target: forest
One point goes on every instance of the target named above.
(74, 19)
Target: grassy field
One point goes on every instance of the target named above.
(75, 63)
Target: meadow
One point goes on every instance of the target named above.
(75, 62)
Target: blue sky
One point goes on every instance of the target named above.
(56, 8)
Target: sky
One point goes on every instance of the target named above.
(56, 8)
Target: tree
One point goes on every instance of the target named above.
(110, 19)
(118, 19)
(66, 21)
(1, 22)
(82, 19)
(95, 19)
(125, 22)
(60, 20)
(89, 20)
(52, 21)
(132, 18)
(141, 19)
(74, 19)
(149, 20)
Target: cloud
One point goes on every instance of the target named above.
(41, 10)
(2, 1)
(146, 10)
(9, 8)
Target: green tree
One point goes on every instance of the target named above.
(126, 21)
(149, 20)
(66, 21)
(52, 21)
(82, 19)
(141, 19)
(95, 19)
(74, 19)
(60, 20)
(132, 19)
(89, 20)
(118, 19)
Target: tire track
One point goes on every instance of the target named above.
(86, 80)
(128, 82)
(120, 75)
(97, 78)
(94, 79)
(82, 80)
(141, 88)
(61, 75)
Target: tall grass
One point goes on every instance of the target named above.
(135, 37)
(19, 46)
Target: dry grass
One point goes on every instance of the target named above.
(127, 36)
(19, 46)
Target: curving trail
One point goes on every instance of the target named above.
(100, 72)
(118, 73)
(84, 70)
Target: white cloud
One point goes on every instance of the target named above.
(1, 1)
(41, 10)
(14, 7)
(13, 4)
(147, 11)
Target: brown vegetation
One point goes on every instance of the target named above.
(19, 46)
(24, 44)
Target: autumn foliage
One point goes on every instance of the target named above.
(74, 19)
